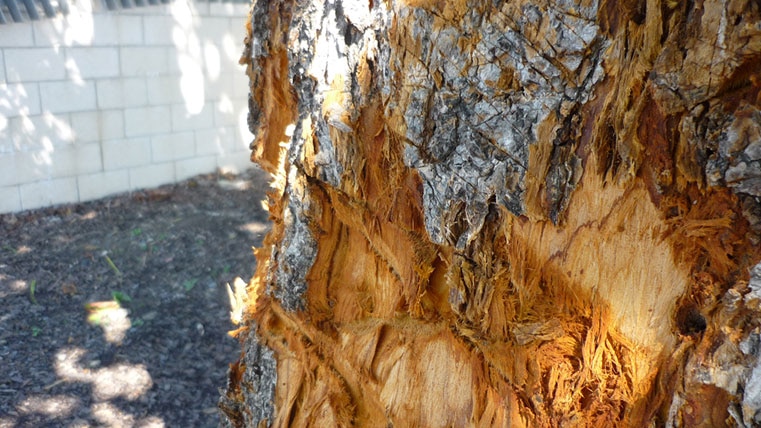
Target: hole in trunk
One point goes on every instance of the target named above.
(689, 320)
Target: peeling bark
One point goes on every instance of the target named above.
(523, 213)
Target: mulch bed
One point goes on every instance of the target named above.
(115, 312)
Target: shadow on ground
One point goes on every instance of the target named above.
(115, 312)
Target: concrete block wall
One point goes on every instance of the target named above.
(99, 102)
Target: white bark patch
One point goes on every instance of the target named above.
(322, 70)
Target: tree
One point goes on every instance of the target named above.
(522, 213)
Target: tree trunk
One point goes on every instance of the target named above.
(522, 213)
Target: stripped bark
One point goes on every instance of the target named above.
(523, 213)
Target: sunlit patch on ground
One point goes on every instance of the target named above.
(52, 406)
(111, 317)
(110, 415)
(11, 286)
(256, 229)
(128, 381)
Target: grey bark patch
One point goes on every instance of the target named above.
(297, 251)
(734, 367)
(751, 347)
(468, 137)
(728, 146)
(260, 379)
(315, 64)
(257, 386)
(256, 48)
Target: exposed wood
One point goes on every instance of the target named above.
(504, 214)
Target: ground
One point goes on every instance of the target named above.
(115, 312)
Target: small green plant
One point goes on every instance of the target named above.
(138, 322)
(137, 232)
(36, 331)
(120, 297)
(189, 283)
(32, 290)
(113, 266)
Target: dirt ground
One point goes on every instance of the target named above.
(115, 312)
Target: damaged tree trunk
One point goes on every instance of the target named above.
(519, 213)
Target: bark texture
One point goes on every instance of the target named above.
(504, 213)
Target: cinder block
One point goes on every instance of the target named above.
(173, 146)
(147, 120)
(8, 168)
(212, 67)
(49, 32)
(119, 93)
(102, 125)
(94, 186)
(201, 9)
(227, 9)
(221, 87)
(10, 199)
(113, 29)
(242, 133)
(17, 35)
(19, 99)
(239, 20)
(184, 12)
(227, 112)
(25, 167)
(88, 28)
(90, 62)
(74, 29)
(126, 153)
(161, 9)
(107, 29)
(48, 192)
(231, 45)
(187, 168)
(40, 132)
(68, 96)
(228, 140)
(229, 61)
(86, 126)
(164, 90)
(6, 144)
(182, 120)
(240, 138)
(216, 28)
(209, 141)
(241, 86)
(235, 162)
(144, 61)
(148, 176)
(159, 30)
(76, 160)
(112, 124)
(34, 64)
(130, 30)
(182, 62)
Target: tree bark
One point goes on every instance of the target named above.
(521, 213)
